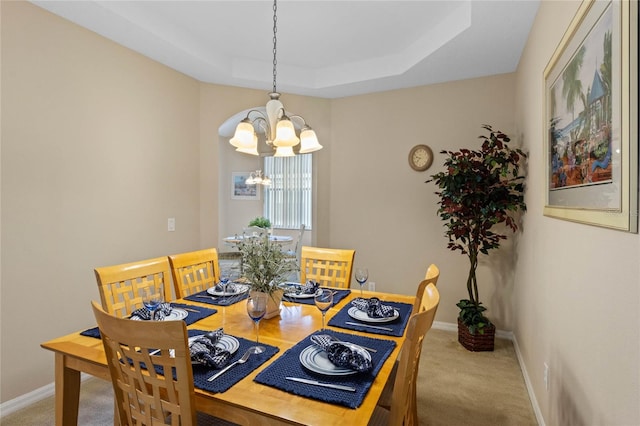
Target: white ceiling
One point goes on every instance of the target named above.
(325, 48)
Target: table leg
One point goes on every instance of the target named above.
(67, 392)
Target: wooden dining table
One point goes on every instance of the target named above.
(247, 402)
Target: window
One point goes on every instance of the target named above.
(287, 202)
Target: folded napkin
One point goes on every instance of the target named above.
(289, 365)
(373, 307)
(310, 287)
(342, 355)
(231, 288)
(204, 350)
(145, 315)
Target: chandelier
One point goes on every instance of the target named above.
(257, 178)
(278, 128)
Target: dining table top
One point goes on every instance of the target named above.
(247, 401)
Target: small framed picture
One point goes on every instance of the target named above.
(240, 190)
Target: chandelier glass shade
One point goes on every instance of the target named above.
(257, 178)
(280, 132)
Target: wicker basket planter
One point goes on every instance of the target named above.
(476, 342)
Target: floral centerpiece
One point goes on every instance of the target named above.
(265, 266)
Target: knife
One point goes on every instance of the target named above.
(370, 326)
(326, 385)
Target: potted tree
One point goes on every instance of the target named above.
(266, 266)
(479, 189)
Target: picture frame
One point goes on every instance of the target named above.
(590, 112)
(240, 190)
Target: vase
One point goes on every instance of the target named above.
(476, 342)
(273, 302)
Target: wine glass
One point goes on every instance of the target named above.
(257, 308)
(225, 276)
(362, 275)
(324, 300)
(151, 299)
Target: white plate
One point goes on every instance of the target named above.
(238, 289)
(176, 314)
(315, 359)
(226, 342)
(290, 289)
(356, 313)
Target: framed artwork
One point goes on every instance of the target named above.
(240, 190)
(591, 110)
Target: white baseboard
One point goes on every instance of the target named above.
(37, 395)
(447, 326)
(527, 381)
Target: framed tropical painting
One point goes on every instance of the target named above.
(591, 109)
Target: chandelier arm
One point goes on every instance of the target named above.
(260, 114)
(275, 42)
(261, 120)
(304, 123)
(278, 127)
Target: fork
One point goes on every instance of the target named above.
(242, 360)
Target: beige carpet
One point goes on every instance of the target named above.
(456, 388)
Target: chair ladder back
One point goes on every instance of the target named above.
(142, 394)
(403, 410)
(121, 286)
(433, 273)
(328, 267)
(194, 271)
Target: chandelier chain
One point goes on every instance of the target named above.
(275, 42)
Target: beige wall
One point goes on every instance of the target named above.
(99, 147)
(89, 127)
(577, 298)
(385, 210)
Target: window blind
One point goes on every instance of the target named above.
(288, 201)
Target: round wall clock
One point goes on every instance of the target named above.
(420, 158)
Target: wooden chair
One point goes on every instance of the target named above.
(294, 252)
(329, 267)
(121, 286)
(431, 277)
(144, 397)
(432, 272)
(194, 271)
(397, 404)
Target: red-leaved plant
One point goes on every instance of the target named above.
(478, 190)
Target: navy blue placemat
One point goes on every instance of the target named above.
(232, 376)
(397, 326)
(204, 297)
(337, 297)
(190, 319)
(289, 365)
